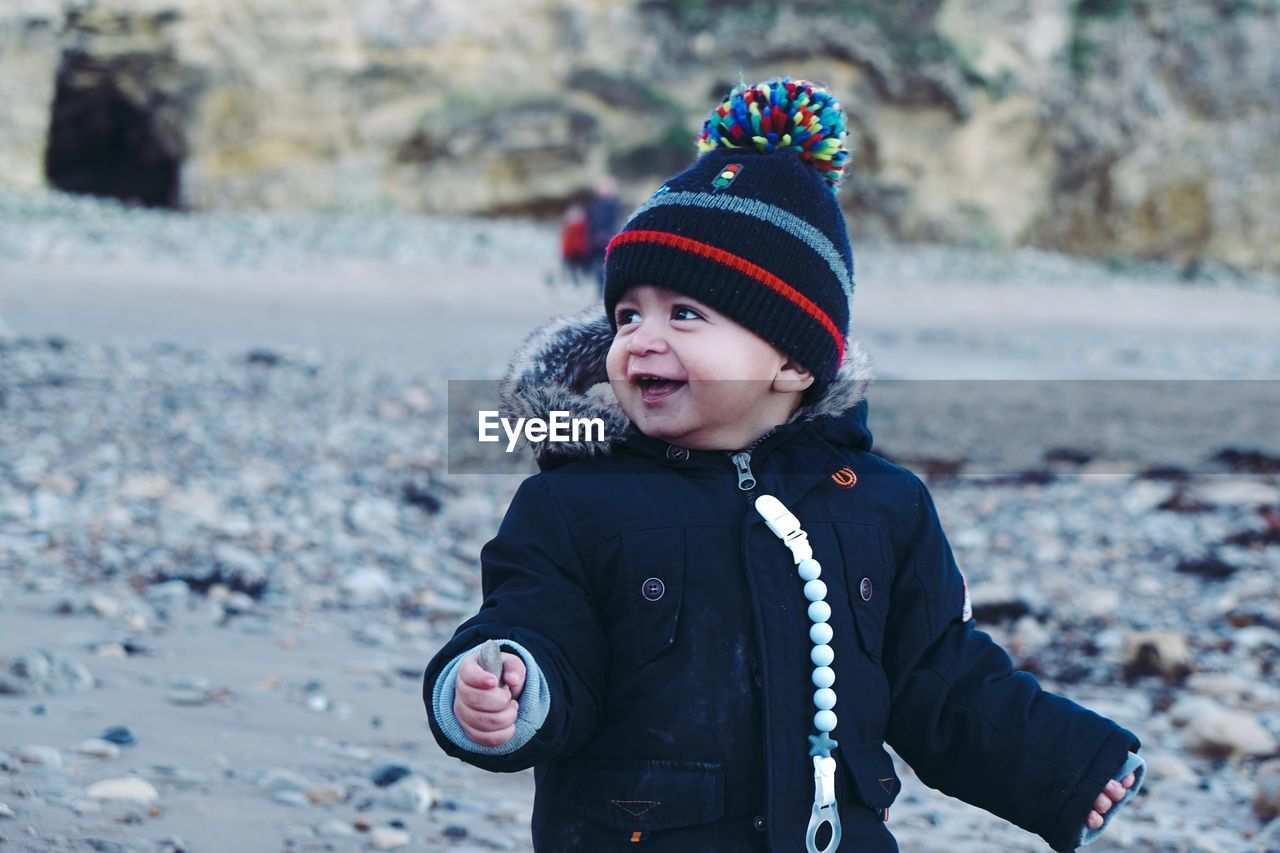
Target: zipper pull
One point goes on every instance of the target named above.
(746, 480)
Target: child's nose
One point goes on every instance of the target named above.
(646, 338)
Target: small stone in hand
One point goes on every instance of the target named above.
(491, 658)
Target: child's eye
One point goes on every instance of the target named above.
(684, 312)
(623, 316)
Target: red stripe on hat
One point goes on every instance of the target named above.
(742, 265)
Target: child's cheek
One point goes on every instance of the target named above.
(615, 359)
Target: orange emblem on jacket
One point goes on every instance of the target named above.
(844, 478)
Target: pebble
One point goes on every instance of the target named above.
(1166, 765)
(389, 838)
(411, 794)
(119, 735)
(47, 756)
(1221, 732)
(388, 774)
(170, 592)
(1225, 687)
(289, 797)
(6, 812)
(283, 779)
(104, 606)
(1164, 653)
(130, 788)
(1190, 707)
(375, 635)
(1246, 492)
(1028, 637)
(368, 585)
(98, 748)
(1254, 638)
(40, 671)
(327, 794)
(335, 828)
(1266, 795)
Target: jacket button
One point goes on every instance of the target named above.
(865, 589)
(677, 454)
(653, 588)
(757, 823)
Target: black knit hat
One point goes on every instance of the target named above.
(752, 228)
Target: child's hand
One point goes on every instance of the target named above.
(485, 708)
(1112, 792)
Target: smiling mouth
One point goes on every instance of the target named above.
(655, 388)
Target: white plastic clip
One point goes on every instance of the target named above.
(824, 805)
(780, 519)
(785, 526)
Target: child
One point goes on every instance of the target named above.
(715, 618)
(575, 244)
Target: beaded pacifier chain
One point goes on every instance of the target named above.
(787, 528)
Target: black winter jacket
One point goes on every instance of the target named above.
(686, 717)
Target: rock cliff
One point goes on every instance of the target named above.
(1104, 127)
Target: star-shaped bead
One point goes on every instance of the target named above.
(821, 744)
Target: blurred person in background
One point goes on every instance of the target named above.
(604, 213)
(575, 244)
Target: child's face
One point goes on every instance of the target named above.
(669, 345)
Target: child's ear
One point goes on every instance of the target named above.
(791, 377)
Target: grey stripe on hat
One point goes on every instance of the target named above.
(787, 221)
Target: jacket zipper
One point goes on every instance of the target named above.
(742, 464)
(747, 485)
(746, 479)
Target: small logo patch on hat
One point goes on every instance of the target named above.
(725, 176)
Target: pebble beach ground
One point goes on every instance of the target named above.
(229, 542)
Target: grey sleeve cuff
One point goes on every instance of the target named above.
(1133, 764)
(535, 703)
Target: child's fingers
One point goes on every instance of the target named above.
(1102, 805)
(490, 738)
(1129, 780)
(1114, 790)
(488, 699)
(472, 674)
(489, 729)
(1094, 820)
(491, 721)
(513, 673)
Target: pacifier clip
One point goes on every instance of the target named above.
(786, 527)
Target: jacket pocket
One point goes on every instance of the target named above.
(652, 587)
(868, 565)
(873, 776)
(645, 795)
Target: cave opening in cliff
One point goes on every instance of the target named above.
(109, 134)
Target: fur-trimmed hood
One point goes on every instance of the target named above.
(561, 367)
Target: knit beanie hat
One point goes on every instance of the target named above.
(752, 227)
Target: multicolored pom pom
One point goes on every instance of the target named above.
(782, 114)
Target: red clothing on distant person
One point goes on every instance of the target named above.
(575, 246)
